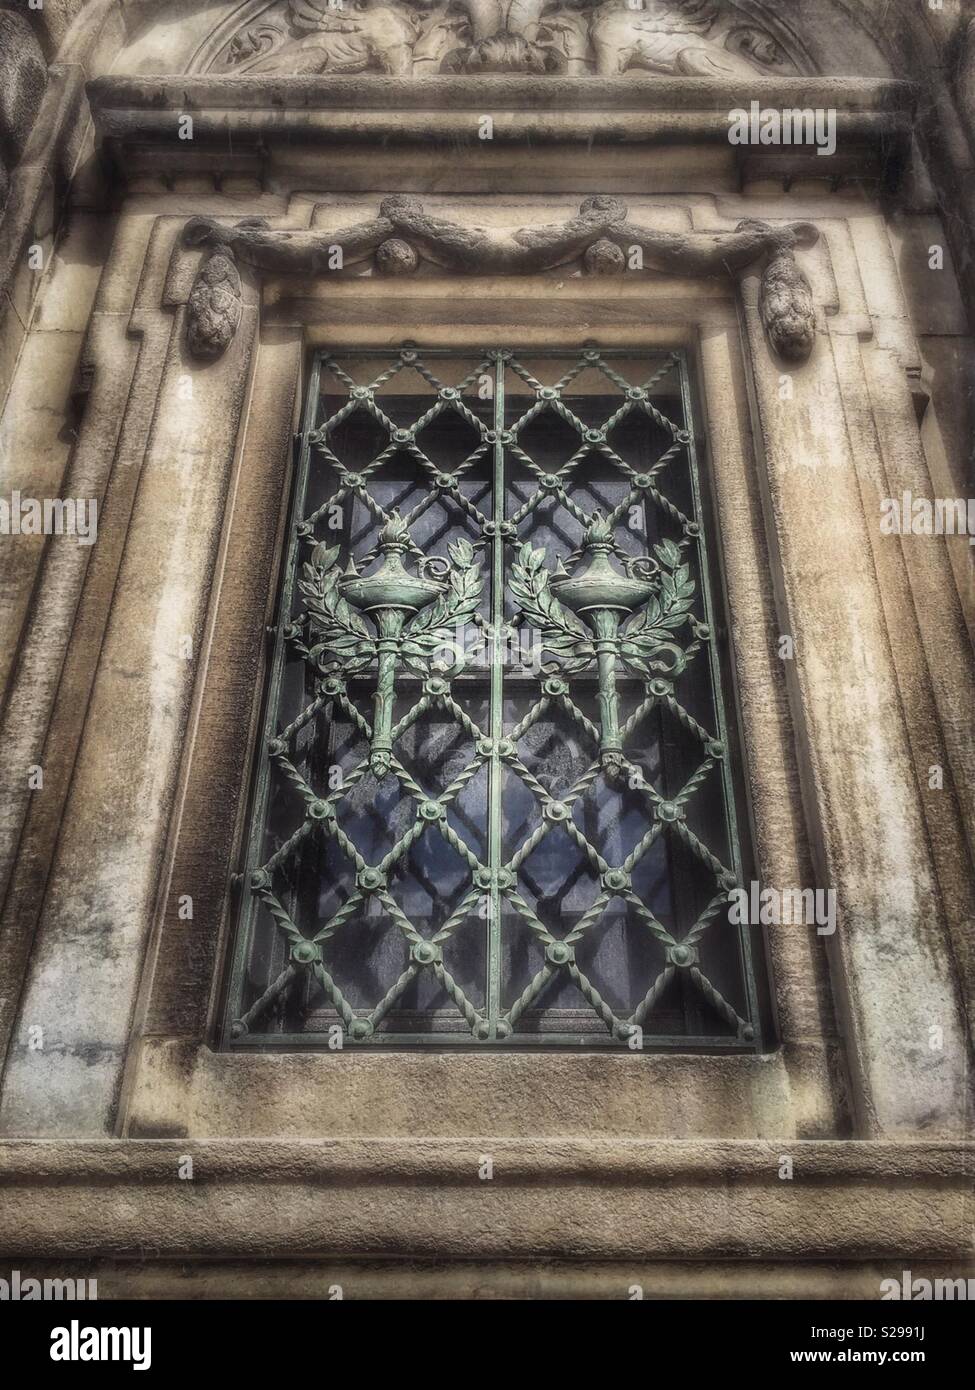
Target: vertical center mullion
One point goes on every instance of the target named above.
(497, 702)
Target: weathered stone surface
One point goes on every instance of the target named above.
(947, 431)
(179, 478)
(30, 217)
(183, 1088)
(34, 452)
(424, 1197)
(534, 1278)
(965, 75)
(811, 1051)
(32, 732)
(24, 79)
(861, 790)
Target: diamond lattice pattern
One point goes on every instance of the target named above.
(530, 838)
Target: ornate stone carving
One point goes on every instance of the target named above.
(709, 38)
(785, 303)
(213, 308)
(600, 238)
(662, 37)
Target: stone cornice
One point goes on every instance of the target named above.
(121, 104)
(51, 1162)
(259, 125)
(628, 1199)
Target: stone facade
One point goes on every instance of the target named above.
(175, 178)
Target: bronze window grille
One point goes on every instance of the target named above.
(495, 802)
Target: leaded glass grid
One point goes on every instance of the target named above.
(495, 802)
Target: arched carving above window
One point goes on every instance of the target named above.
(607, 38)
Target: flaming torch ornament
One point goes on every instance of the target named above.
(415, 618)
(649, 598)
(390, 597)
(604, 595)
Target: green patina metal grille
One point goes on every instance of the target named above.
(495, 801)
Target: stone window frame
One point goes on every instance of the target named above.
(452, 1031)
(177, 1082)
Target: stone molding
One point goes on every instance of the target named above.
(424, 1197)
(148, 101)
(404, 234)
(37, 188)
(528, 1278)
(265, 126)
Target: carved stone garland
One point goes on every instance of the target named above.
(600, 238)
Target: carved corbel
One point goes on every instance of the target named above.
(599, 237)
(213, 308)
(785, 300)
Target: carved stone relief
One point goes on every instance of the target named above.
(607, 38)
(600, 238)
(213, 310)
